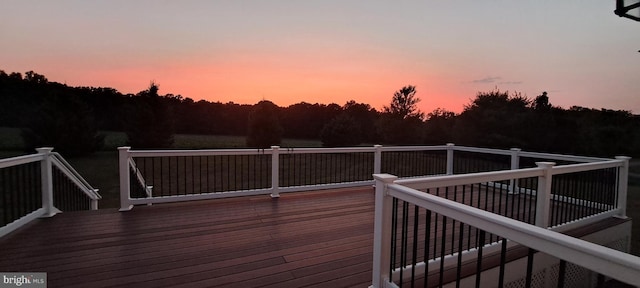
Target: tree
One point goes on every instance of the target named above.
(365, 118)
(149, 123)
(64, 123)
(305, 120)
(541, 103)
(404, 103)
(494, 119)
(401, 121)
(343, 130)
(264, 128)
(34, 77)
(439, 127)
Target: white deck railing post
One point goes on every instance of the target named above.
(450, 147)
(46, 174)
(382, 231)
(123, 166)
(623, 182)
(275, 171)
(377, 159)
(515, 164)
(543, 195)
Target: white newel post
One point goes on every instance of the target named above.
(623, 182)
(515, 165)
(543, 194)
(47, 181)
(377, 159)
(275, 171)
(450, 147)
(382, 231)
(123, 167)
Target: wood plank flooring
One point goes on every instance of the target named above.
(308, 239)
(304, 239)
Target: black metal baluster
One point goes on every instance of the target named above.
(531, 211)
(427, 243)
(479, 258)
(460, 242)
(405, 236)
(565, 205)
(503, 259)
(292, 171)
(394, 235)
(443, 242)
(561, 273)
(469, 226)
(21, 195)
(529, 277)
(453, 221)
(4, 191)
(414, 255)
(18, 196)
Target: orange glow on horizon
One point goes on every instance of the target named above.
(283, 79)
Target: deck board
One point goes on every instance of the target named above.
(309, 239)
(300, 239)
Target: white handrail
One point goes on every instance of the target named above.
(471, 178)
(376, 152)
(549, 156)
(612, 263)
(47, 160)
(139, 177)
(74, 176)
(202, 152)
(19, 160)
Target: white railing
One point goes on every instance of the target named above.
(46, 208)
(276, 179)
(540, 236)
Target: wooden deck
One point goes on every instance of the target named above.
(304, 239)
(307, 239)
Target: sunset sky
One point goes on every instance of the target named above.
(580, 52)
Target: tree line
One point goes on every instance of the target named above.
(71, 118)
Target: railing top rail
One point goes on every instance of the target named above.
(203, 152)
(482, 150)
(284, 150)
(290, 150)
(19, 160)
(413, 148)
(563, 157)
(547, 156)
(428, 182)
(581, 167)
(74, 175)
(610, 262)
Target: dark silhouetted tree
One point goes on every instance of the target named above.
(439, 127)
(404, 104)
(541, 103)
(64, 123)
(401, 121)
(493, 119)
(305, 120)
(343, 130)
(149, 123)
(264, 128)
(365, 118)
